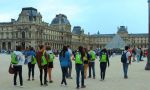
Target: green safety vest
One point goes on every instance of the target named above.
(92, 54)
(78, 58)
(103, 57)
(85, 58)
(14, 58)
(33, 61)
(43, 59)
(51, 57)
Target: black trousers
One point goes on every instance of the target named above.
(18, 70)
(91, 67)
(64, 73)
(31, 69)
(103, 69)
(43, 68)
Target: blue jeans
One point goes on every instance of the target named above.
(92, 66)
(125, 69)
(79, 69)
(69, 70)
(138, 58)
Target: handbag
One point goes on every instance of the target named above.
(11, 69)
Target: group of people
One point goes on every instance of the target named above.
(138, 54)
(44, 58)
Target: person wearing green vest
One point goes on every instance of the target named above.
(104, 59)
(92, 62)
(86, 59)
(31, 58)
(42, 60)
(51, 58)
(17, 60)
(79, 65)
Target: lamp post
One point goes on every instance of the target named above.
(147, 67)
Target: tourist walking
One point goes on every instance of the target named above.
(31, 58)
(125, 59)
(69, 71)
(134, 54)
(138, 52)
(42, 59)
(64, 59)
(51, 58)
(86, 59)
(17, 59)
(79, 67)
(92, 62)
(104, 59)
(141, 55)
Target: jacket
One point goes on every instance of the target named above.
(65, 61)
(39, 57)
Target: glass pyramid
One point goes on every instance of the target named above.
(116, 43)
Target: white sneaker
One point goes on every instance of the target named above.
(21, 86)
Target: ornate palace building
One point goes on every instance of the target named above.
(30, 30)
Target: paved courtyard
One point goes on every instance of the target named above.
(139, 79)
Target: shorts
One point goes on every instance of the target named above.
(50, 65)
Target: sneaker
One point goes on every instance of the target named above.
(21, 86)
(93, 77)
(50, 81)
(65, 85)
(42, 84)
(70, 78)
(83, 86)
(28, 79)
(125, 77)
(89, 76)
(77, 87)
(32, 79)
(101, 80)
(46, 84)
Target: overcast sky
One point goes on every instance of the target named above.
(91, 15)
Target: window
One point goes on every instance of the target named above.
(16, 34)
(23, 34)
(30, 35)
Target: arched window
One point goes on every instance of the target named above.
(23, 34)
(4, 45)
(9, 45)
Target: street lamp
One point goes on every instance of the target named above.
(148, 58)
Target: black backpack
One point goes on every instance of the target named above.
(124, 57)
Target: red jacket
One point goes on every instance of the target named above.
(39, 57)
(146, 53)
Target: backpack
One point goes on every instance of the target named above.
(93, 56)
(103, 57)
(14, 59)
(51, 57)
(124, 57)
(43, 59)
(78, 58)
(33, 61)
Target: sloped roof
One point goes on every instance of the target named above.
(60, 19)
(77, 30)
(117, 42)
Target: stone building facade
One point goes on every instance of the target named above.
(133, 40)
(30, 30)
